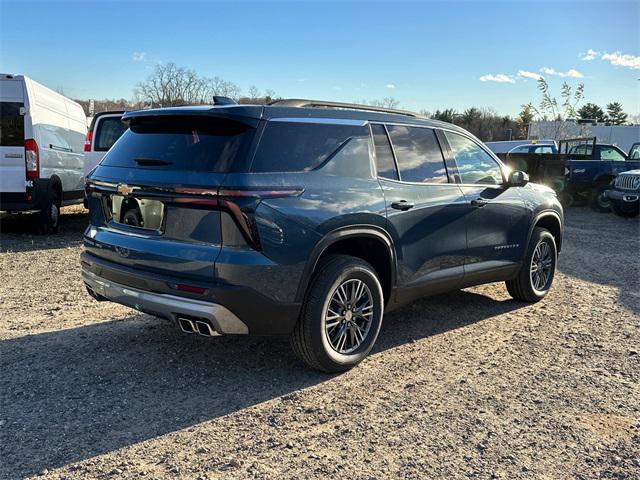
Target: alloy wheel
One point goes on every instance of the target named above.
(348, 316)
(541, 267)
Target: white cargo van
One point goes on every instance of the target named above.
(42, 135)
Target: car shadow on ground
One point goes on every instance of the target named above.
(97, 388)
(602, 248)
(18, 233)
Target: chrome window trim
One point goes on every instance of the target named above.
(324, 121)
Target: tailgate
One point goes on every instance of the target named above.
(153, 199)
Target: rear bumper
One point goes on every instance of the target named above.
(229, 308)
(166, 306)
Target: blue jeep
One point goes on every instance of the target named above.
(308, 219)
(590, 168)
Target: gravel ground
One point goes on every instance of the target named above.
(468, 384)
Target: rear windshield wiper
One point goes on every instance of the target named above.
(151, 161)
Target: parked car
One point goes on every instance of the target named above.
(534, 148)
(590, 169)
(41, 159)
(308, 219)
(502, 147)
(105, 129)
(624, 194)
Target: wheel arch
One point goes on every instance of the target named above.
(365, 242)
(551, 221)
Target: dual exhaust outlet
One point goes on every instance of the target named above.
(201, 327)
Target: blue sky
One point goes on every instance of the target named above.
(425, 54)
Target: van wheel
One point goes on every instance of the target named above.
(342, 315)
(538, 269)
(599, 201)
(49, 216)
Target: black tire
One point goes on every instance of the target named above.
(624, 213)
(310, 339)
(48, 219)
(599, 201)
(522, 287)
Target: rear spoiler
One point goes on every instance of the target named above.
(249, 115)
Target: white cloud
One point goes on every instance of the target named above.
(620, 60)
(589, 55)
(138, 56)
(391, 86)
(532, 75)
(572, 73)
(500, 78)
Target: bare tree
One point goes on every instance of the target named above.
(170, 85)
(387, 102)
(253, 92)
(224, 88)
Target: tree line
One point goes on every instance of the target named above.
(170, 85)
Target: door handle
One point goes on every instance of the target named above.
(402, 205)
(479, 202)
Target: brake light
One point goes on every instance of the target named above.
(88, 140)
(31, 159)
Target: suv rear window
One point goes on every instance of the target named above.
(299, 146)
(181, 143)
(418, 153)
(108, 131)
(11, 125)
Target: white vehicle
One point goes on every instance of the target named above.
(41, 157)
(105, 129)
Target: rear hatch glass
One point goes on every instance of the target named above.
(176, 143)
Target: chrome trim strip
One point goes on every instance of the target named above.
(326, 121)
(164, 305)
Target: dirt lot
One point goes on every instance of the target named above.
(469, 384)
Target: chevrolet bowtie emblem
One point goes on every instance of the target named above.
(124, 189)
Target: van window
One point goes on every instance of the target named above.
(300, 146)
(385, 164)
(418, 154)
(11, 125)
(108, 131)
(475, 166)
(180, 143)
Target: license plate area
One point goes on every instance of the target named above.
(142, 213)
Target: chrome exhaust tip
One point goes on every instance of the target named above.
(187, 325)
(205, 329)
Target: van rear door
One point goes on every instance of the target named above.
(12, 136)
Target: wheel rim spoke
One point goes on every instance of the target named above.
(541, 266)
(348, 316)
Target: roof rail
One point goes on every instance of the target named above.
(299, 102)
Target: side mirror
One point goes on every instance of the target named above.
(518, 178)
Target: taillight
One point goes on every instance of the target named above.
(88, 140)
(32, 159)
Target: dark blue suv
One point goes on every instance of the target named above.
(309, 219)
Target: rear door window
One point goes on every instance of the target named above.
(109, 130)
(297, 146)
(385, 163)
(181, 143)
(11, 125)
(418, 154)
